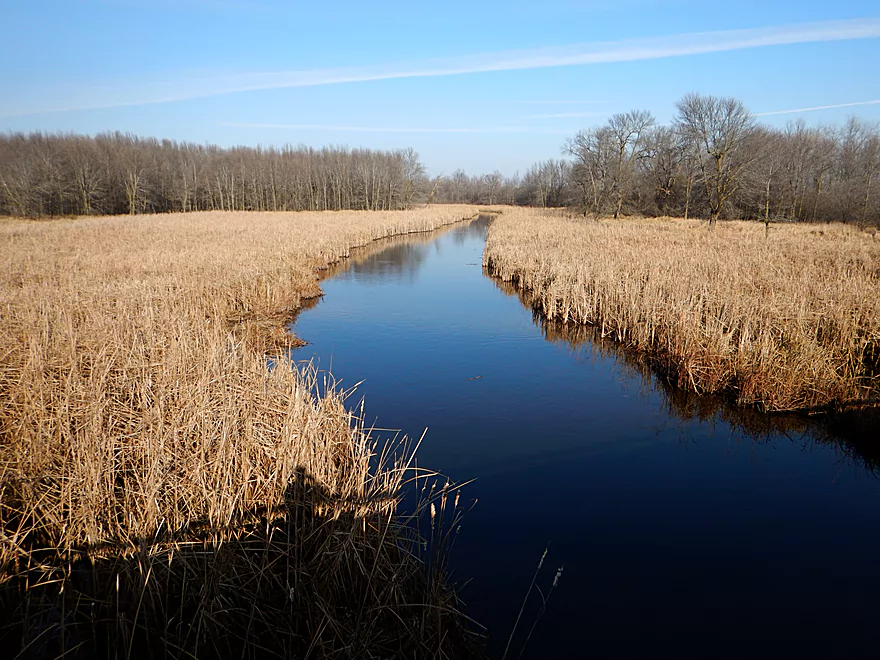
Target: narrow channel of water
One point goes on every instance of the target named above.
(684, 527)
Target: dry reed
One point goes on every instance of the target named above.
(785, 320)
(164, 490)
(851, 432)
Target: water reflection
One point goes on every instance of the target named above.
(399, 258)
(852, 432)
(667, 509)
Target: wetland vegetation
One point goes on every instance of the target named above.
(163, 492)
(178, 477)
(680, 518)
(788, 320)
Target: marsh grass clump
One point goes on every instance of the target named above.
(849, 431)
(788, 320)
(313, 559)
(170, 484)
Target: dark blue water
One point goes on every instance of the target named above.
(685, 527)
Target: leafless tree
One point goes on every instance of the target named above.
(627, 131)
(714, 159)
(119, 173)
(718, 129)
(547, 183)
(664, 166)
(594, 157)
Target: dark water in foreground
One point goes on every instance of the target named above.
(685, 528)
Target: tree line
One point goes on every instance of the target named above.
(714, 160)
(115, 173)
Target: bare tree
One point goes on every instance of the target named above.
(663, 166)
(772, 162)
(713, 160)
(627, 132)
(594, 161)
(856, 167)
(492, 183)
(546, 183)
(718, 129)
(413, 175)
(18, 177)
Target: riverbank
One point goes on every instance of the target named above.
(783, 320)
(161, 491)
(663, 507)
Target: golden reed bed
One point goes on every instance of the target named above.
(163, 492)
(785, 320)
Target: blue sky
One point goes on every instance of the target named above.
(473, 85)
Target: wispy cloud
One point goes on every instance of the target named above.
(626, 50)
(393, 129)
(817, 107)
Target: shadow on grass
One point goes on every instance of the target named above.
(318, 576)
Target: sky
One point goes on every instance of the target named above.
(479, 86)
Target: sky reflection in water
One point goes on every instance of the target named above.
(680, 521)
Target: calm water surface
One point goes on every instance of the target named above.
(685, 528)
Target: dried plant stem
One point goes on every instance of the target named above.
(785, 321)
(525, 600)
(162, 489)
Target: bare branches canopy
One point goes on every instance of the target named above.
(117, 173)
(605, 159)
(713, 161)
(717, 132)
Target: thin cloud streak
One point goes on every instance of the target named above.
(815, 108)
(626, 50)
(393, 129)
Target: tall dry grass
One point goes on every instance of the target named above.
(785, 320)
(851, 432)
(162, 490)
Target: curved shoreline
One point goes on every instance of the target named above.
(156, 469)
(751, 334)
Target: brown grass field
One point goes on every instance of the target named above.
(783, 320)
(164, 492)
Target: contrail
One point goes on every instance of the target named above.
(626, 50)
(817, 107)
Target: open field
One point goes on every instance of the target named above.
(161, 490)
(785, 320)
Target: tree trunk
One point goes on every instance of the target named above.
(818, 194)
(687, 195)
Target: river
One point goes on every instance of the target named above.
(685, 527)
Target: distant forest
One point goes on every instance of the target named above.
(713, 161)
(116, 173)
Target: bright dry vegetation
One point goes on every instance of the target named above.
(786, 319)
(146, 441)
(162, 489)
